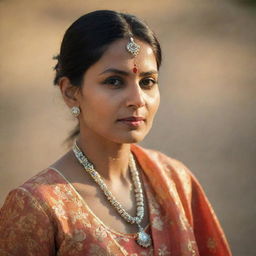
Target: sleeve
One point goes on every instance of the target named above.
(209, 235)
(25, 228)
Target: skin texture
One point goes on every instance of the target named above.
(108, 96)
(110, 92)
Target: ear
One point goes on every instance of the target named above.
(70, 93)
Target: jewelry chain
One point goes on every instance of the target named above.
(89, 167)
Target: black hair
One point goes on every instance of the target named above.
(86, 40)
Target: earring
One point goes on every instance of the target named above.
(75, 111)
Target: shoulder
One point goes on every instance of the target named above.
(45, 180)
(172, 171)
(26, 203)
(46, 193)
(155, 155)
(171, 166)
(38, 189)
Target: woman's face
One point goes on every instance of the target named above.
(117, 104)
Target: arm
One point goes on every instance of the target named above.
(25, 228)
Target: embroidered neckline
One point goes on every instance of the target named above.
(127, 235)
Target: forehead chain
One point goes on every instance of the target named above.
(134, 49)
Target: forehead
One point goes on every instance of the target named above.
(116, 56)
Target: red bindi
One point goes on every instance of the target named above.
(134, 70)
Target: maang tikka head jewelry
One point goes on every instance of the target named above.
(134, 49)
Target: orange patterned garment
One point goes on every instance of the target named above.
(46, 216)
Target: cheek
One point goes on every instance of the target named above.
(97, 109)
(153, 103)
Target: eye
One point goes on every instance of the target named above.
(114, 82)
(148, 83)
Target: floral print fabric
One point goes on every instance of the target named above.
(46, 216)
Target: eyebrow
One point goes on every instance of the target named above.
(124, 73)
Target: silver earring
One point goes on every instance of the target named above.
(75, 111)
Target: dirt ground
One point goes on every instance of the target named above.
(207, 117)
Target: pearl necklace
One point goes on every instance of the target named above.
(143, 238)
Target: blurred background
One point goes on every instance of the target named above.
(207, 117)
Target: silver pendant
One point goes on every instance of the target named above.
(132, 47)
(143, 239)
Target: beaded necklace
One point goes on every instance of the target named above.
(143, 239)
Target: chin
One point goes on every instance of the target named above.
(133, 137)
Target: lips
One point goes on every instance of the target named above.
(132, 121)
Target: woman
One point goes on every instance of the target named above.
(108, 196)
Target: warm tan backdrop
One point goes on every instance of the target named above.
(207, 117)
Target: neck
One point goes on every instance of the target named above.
(109, 159)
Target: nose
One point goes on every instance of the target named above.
(135, 96)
